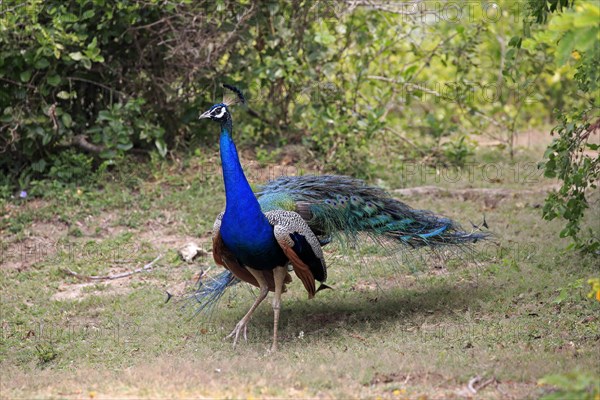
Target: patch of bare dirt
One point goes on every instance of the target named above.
(163, 240)
(43, 240)
(530, 139)
(533, 139)
(404, 378)
(40, 243)
(100, 226)
(443, 387)
(490, 197)
(177, 286)
(79, 291)
(375, 284)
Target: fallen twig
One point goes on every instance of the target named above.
(82, 142)
(357, 336)
(474, 381)
(406, 380)
(111, 277)
(484, 384)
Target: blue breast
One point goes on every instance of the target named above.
(253, 245)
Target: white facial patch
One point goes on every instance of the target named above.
(221, 113)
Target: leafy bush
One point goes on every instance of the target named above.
(107, 78)
(120, 125)
(71, 168)
(571, 157)
(63, 67)
(458, 151)
(578, 172)
(97, 76)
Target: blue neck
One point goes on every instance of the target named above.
(241, 202)
(244, 229)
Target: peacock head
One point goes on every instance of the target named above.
(220, 112)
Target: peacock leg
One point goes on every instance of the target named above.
(243, 324)
(279, 274)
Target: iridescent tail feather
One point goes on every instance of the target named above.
(209, 291)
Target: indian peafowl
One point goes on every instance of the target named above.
(292, 217)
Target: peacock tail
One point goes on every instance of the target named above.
(344, 207)
(208, 292)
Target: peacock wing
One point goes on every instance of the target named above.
(322, 201)
(225, 258)
(301, 246)
(281, 200)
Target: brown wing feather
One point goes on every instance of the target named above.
(225, 258)
(301, 269)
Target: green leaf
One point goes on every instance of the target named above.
(565, 46)
(161, 146)
(67, 120)
(586, 19)
(88, 14)
(108, 153)
(86, 63)
(46, 138)
(76, 56)
(6, 117)
(586, 39)
(104, 115)
(42, 63)
(515, 41)
(593, 146)
(53, 80)
(410, 71)
(39, 166)
(25, 76)
(63, 95)
(68, 17)
(125, 146)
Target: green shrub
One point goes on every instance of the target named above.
(68, 74)
(571, 157)
(107, 78)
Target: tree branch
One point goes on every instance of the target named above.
(111, 277)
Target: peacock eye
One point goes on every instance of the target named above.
(218, 112)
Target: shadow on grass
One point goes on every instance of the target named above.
(361, 311)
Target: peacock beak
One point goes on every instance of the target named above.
(205, 115)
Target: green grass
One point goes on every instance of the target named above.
(395, 327)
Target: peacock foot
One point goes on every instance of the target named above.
(241, 326)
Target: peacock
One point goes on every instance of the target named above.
(287, 223)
